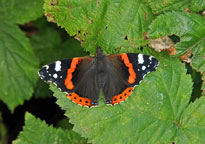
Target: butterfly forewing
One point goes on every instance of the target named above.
(56, 73)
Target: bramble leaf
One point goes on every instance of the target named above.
(203, 84)
(192, 123)
(152, 114)
(109, 24)
(197, 5)
(18, 66)
(20, 11)
(198, 60)
(162, 6)
(191, 30)
(36, 131)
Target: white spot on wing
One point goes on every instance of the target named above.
(46, 66)
(58, 66)
(55, 75)
(143, 67)
(140, 59)
(150, 58)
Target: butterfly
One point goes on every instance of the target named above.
(83, 78)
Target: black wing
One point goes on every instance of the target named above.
(74, 77)
(124, 72)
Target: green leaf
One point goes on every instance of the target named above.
(162, 6)
(203, 84)
(191, 30)
(46, 45)
(18, 66)
(197, 5)
(152, 114)
(64, 124)
(20, 11)
(71, 48)
(198, 60)
(109, 24)
(36, 131)
(192, 123)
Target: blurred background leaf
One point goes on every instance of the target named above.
(18, 68)
(18, 65)
(20, 11)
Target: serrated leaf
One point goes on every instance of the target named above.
(152, 114)
(109, 24)
(160, 6)
(36, 131)
(197, 5)
(193, 123)
(191, 30)
(203, 85)
(18, 66)
(64, 124)
(198, 60)
(20, 11)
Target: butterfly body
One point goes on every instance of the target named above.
(83, 78)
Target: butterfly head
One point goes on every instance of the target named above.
(99, 53)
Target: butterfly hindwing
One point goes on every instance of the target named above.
(84, 81)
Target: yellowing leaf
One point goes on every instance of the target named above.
(191, 30)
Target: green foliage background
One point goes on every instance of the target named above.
(168, 105)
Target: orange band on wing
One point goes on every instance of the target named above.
(74, 97)
(68, 82)
(123, 96)
(129, 65)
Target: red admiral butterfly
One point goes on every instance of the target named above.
(82, 78)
